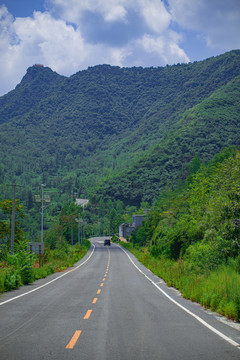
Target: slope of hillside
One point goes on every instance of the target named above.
(203, 130)
(191, 236)
(37, 85)
(72, 132)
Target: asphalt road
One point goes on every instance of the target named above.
(109, 307)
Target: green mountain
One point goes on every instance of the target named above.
(202, 131)
(124, 133)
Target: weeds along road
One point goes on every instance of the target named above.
(109, 307)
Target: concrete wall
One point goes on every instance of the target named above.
(125, 230)
(137, 220)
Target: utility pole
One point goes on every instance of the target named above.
(42, 186)
(80, 235)
(72, 229)
(62, 229)
(79, 230)
(46, 199)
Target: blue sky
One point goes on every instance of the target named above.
(70, 35)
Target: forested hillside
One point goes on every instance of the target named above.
(201, 132)
(191, 236)
(130, 132)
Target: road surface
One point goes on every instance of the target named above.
(109, 307)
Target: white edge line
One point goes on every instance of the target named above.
(40, 287)
(232, 342)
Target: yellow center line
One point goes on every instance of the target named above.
(88, 313)
(77, 333)
(73, 340)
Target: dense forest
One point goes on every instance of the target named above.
(202, 130)
(125, 133)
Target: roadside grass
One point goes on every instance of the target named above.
(21, 269)
(218, 289)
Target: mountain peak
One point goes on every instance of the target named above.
(37, 70)
(38, 76)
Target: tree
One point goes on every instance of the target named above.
(5, 223)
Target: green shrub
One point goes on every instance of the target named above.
(208, 253)
(9, 279)
(217, 288)
(18, 268)
(21, 262)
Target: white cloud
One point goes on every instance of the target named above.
(119, 56)
(164, 47)
(217, 20)
(9, 71)
(155, 14)
(51, 41)
(73, 10)
(116, 13)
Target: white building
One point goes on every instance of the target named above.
(81, 202)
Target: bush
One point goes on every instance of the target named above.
(217, 289)
(208, 253)
(9, 279)
(12, 280)
(21, 262)
(18, 268)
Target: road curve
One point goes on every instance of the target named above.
(109, 307)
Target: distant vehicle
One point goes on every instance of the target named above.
(107, 242)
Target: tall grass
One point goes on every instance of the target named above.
(14, 272)
(218, 289)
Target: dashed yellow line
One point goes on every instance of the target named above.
(88, 313)
(74, 339)
(77, 333)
